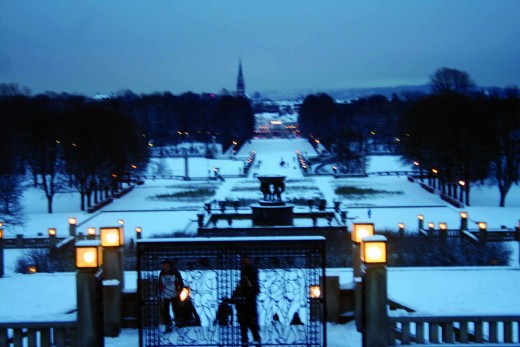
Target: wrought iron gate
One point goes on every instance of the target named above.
(288, 267)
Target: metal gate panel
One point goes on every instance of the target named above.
(210, 267)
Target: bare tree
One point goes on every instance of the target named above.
(13, 89)
(505, 142)
(446, 80)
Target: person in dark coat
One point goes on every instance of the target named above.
(170, 287)
(244, 297)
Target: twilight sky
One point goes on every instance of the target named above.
(195, 45)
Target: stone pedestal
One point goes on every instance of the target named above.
(270, 214)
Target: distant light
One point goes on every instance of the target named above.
(462, 183)
(464, 215)
(420, 217)
(72, 220)
(91, 231)
(443, 226)
(52, 231)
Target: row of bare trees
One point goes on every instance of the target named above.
(69, 142)
(465, 135)
(63, 144)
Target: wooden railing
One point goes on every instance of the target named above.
(41, 334)
(415, 328)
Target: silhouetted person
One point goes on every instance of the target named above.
(244, 297)
(170, 287)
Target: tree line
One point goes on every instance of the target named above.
(457, 135)
(63, 142)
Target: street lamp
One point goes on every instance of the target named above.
(420, 218)
(375, 298)
(315, 300)
(361, 230)
(482, 231)
(112, 240)
(401, 229)
(443, 230)
(435, 183)
(373, 250)
(112, 237)
(462, 185)
(89, 255)
(72, 226)
(52, 232)
(315, 292)
(91, 233)
(138, 233)
(89, 259)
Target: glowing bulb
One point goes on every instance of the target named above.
(89, 257)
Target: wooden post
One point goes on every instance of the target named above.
(89, 299)
(375, 322)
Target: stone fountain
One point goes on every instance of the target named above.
(272, 210)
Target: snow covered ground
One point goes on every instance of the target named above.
(432, 290)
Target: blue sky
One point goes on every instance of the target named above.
(186, 45)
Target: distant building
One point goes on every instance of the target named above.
(241, 86)
(270, 125)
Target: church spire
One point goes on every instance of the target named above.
(241, 87)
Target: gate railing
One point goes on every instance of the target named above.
(288, 267)
(424, 329)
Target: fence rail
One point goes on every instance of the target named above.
(421, 329)
(42, 334)
(29, 242)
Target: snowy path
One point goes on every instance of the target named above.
(270, 154)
